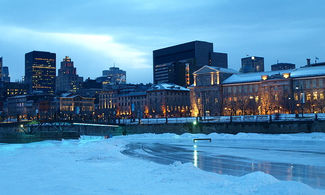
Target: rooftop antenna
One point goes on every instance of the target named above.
(277, 61)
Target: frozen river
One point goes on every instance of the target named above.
(166, 164)
(290, 160)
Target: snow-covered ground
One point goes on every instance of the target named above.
(94, 165)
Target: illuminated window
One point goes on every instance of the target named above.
(308, 96)
(321, 96)
(315, 95)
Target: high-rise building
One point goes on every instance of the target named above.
(176, 64)
(282, 66)
(5, 74)
(113, 76)
(252, 64)
(40, 71)
(1, 68)
(68, 80)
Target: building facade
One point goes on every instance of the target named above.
(168, 100)
(176, 64)
(289, 91)
(113, 76)
(206, 92)
(1, 65)
(68, 80)
(14, 88)
(252, 64)
(40, 71)
(5, 74)
(29, 107)
(282, 66)
(76, 107)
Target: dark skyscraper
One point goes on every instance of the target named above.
(40, 71)
(176, 64)
(252, 64)
(5, 74)
(1, 68)
(68, 80)
(282, 66)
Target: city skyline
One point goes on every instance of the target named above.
(126, 35)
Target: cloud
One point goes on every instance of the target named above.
(103, 45)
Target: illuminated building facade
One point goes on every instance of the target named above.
(40, 71)
(14, 88)
(123, 101)
(206, 92)
(297, 91)
(252, 64)
(258, 93)
(168, 100)
(131, 105)
(68, 80)
(176, 64)
(76, 104)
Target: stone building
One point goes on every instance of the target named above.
(31, 107)
(76, 106)
(206, 92)
(284, 91)
(168, 100)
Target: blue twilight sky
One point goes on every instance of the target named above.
(97, 34)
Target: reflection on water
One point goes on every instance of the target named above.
(239, 166)
(226, 164)
(195, 155)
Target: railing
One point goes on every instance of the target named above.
(225, 119)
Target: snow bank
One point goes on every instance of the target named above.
(252, 136)
(96, 166)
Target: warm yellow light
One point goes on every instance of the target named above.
(264, 77)
(286, 75)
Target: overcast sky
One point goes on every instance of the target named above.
(98, 34)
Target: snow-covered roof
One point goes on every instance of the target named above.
(308, 71)
(206, 69)
(252, 77)
(166, 86)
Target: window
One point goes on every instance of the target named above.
(315, 94)
(308, 96)
(308, 84)
(314, 83)
(320, 83)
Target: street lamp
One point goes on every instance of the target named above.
(302, 99)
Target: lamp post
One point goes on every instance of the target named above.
(301, 98)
